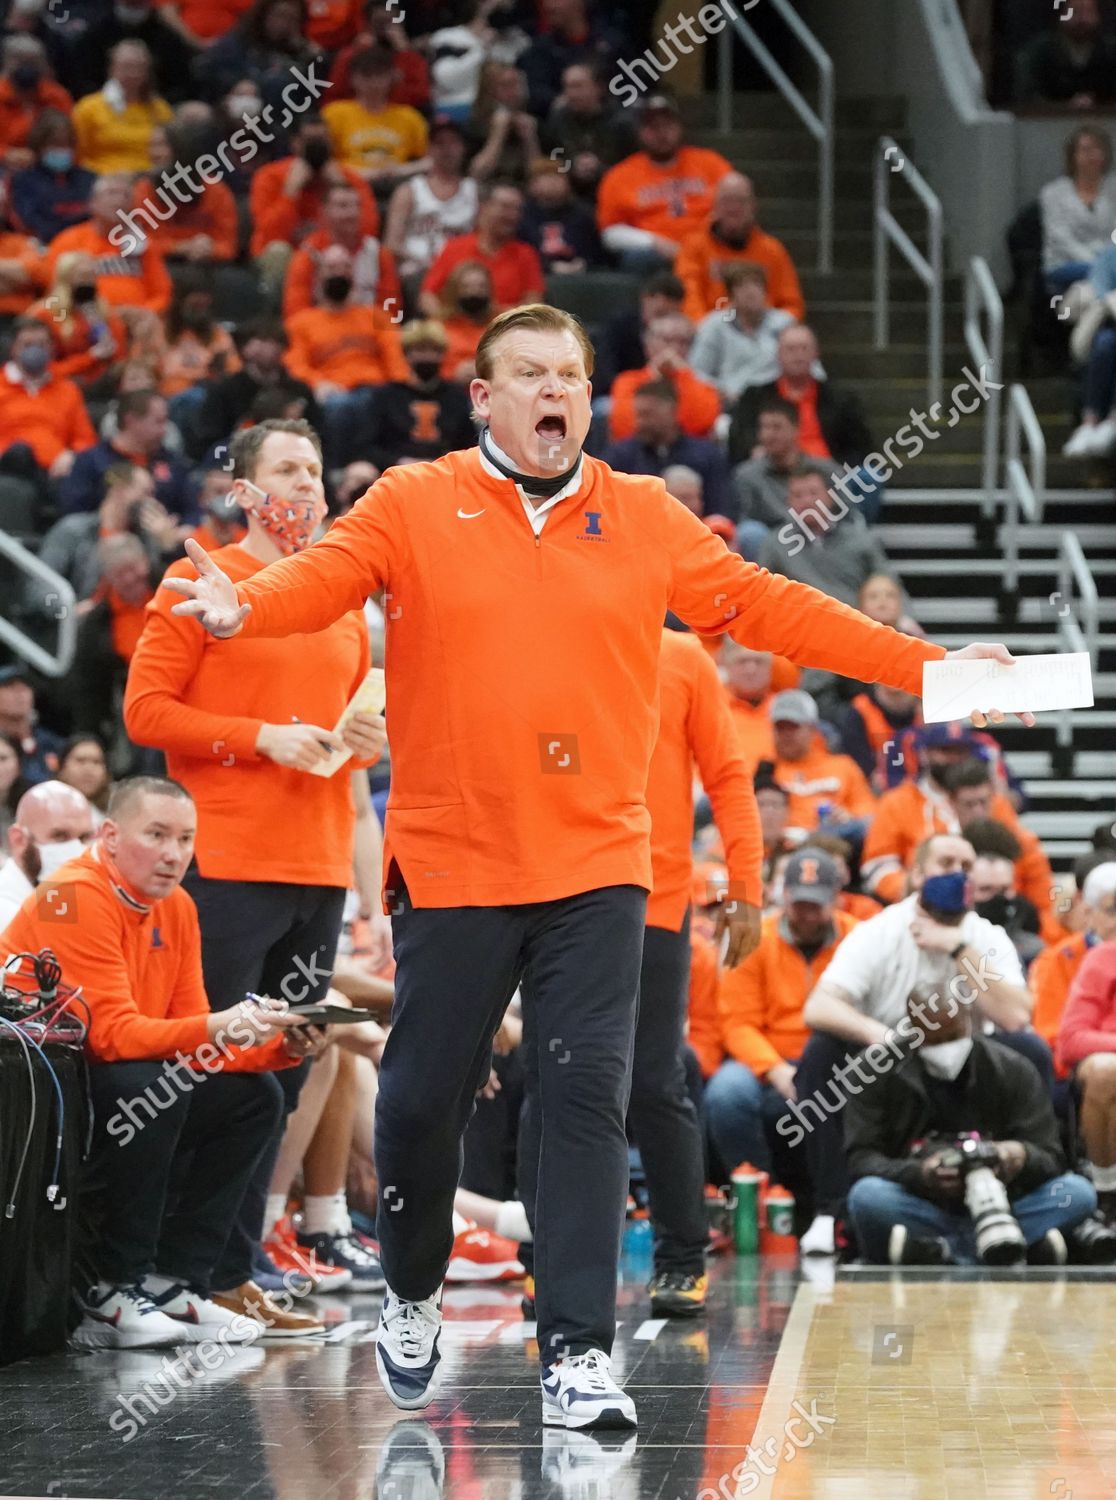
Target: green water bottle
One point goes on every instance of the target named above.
(746, 1182)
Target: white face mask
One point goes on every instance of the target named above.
(53, 855)
(243, 105)
(946, 1059)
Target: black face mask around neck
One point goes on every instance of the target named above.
(531, 484)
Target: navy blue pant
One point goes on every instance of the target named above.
(456, 969)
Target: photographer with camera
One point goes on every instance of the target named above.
(954, 1153)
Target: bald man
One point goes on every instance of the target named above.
(732, 234)
(53, 823)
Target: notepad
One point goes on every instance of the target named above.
(953, 689)
(369, 698)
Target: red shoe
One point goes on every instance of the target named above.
(288, 1257)
(479, 1255)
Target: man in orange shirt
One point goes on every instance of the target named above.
(375, 278)
(761, 1004)
(26, 89)
(342, 349)
(651, 201)
(133, 284)
(826, 790)
(528, 583)
(243, 728)
(732, 235)
(667, 342)
(43, 421)
(21, 272)
(127, 935)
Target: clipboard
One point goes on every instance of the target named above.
(369, 698)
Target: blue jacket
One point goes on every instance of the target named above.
(45, 203)
(84, 486)
(631, 456)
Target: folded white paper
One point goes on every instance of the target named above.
(952, 689)
(369, 698)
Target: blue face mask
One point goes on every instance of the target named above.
(948, 894)
(58, 159)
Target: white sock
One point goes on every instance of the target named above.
(274, 1209)
(461, 1223)
(327, 1214)
(1103, 1178)
(511, 1222)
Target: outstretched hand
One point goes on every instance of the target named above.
(211, 597)
(992, 651)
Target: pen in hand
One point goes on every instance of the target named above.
(326, 746)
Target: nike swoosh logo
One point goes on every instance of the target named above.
(469, 515)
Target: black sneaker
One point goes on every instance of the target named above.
(674, 1294)
(1092, 1242)
(1049, 1251)
(907, 1249)
(344, 1252)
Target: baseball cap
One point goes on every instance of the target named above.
(225, 508)
(793, 706)
(941, 736)
(658, 104)
(810, 875)
(13, 672)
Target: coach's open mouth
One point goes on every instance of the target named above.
(553, 428)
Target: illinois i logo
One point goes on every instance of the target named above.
(592, 532)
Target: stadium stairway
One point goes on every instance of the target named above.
(950, 560)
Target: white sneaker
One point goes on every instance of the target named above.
(412, 1463)
(199, 1318)
(1103, 438)
(123, 1317)
(819, 1238)
(407, 1354)
(579, 1391)
(1081, 442)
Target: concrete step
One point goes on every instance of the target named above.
(789, 142)
(786, 212)
(1082, 787)
(1066, 823)
(884, 115)
(856, 283)
(1034, 765)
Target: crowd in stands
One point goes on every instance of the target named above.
(340, 267)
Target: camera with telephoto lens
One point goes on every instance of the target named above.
(999, 1239)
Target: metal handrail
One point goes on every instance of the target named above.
(1026, 491)
(1072, 568)
(982, 294)
(891, 161)
(58, 594)
(819, 122)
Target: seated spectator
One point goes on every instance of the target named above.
(132, 279)
(881, 599)
(1073, 65)
(685, 485)
(82, 765)
(1054, 970)
(835, 553)
(197, 348)
(659, 443)
(139, 21)
(26, 91)
(908, 1197)
(266, 45)
(840, 851)
(457, 55)
(432, 206)
(773, 801)
(113, 127)
(43, 421)
(222, 523)
(584, 132)
(383, 142)
(872, 728)
(731, 236)
(992, 883)
(502, 134)
(738, 344)
(568, 34)
(560, 227)
(375, 278)
(1093, 346)
(22, 273)
(107, 636)
(667, 341)
(1078, 210)
(649, 203)
(929, 939)
(198, 227)
(53, 823)
(19, 720)
(515, 269)
(761, 1003)
(831, 424)
(747, 678)
(203, 21)
(13, 784)
(420, 418)
(286, 198)
(228, 400)
(621, 344)
(126, 890)
(341, 349)
(52, 193)
(761, 483)
(384, 25)
(467, 308)
(140, 439)
(826, 790)
(89, 341)
(70, 546)
(986, 817)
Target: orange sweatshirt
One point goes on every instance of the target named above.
(522, 671)
(140, 971)
(751, 723)
(25, 250)
(298, 287)
(202, 702)
(212, 212)
(140, 280)
(1049, 979)
(694, 725)
(819, 778)
(276, 216)
(73, 341)
(50, 420)
(673, 200)
(763, 998)
(351, 346)
(699, 403)
(704, 1032)
(700, 264)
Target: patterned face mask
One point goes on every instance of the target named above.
(290, 524)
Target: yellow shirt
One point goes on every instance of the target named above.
(108, 141)
(368, 141)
